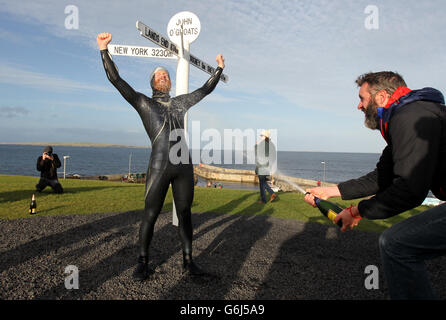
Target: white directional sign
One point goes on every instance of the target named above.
(205, 67)
(138, 51)
(160, 40)
(184, 22)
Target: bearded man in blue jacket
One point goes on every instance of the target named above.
(413, 123)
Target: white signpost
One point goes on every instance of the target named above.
(182, 29)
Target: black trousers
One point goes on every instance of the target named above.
(53, 183)
(181, 177)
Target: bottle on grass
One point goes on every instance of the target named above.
(33, 206)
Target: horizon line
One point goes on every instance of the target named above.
(95, 144)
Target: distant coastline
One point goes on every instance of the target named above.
(104, 145)
(72, 144)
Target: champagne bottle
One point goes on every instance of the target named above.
(33, 206)
(328, 209)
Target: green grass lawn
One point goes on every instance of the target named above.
(91, 196)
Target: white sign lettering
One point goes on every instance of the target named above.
(160, 40)
(138, 51)
(188, 23)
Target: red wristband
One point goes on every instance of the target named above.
(351, 213)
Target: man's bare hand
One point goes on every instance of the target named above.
(322, 193)
(103, 40)
(348, 219)
(220, 61)
(46, 156)
(325, 192)
(309, 198)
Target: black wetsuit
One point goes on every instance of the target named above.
(160, 115)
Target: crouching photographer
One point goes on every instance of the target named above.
(47, 164)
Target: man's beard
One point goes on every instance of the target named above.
(371, 115)
(163, 87)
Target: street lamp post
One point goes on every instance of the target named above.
(323, 162)
(130, 164)
(64, 165)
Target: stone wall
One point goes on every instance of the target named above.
(285, 183)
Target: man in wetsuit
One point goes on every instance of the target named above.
(47, 164)
(161, 115)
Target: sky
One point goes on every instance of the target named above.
(292, 67)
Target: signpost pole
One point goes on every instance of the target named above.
(182, 87)
(182, 82)
(64, 163)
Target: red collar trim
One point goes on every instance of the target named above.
(401, 91)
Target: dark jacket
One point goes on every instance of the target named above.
(413, 162)
(48, 168)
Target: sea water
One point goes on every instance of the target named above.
(95, 161)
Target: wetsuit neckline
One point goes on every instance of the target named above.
(160, 96)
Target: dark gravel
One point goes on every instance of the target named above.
(247, 257)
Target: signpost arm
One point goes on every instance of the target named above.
(158, 39)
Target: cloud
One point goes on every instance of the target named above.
(124, 107)
(19, 76)
(34, 133)
(298, 58)
(294, 48)
(6, 35)
(13, 112)
(219, 98)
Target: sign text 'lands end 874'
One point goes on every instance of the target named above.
(157, 38)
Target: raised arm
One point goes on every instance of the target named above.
(210, 85)
(103, 39)
(195, 96)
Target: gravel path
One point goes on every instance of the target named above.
(247, 257)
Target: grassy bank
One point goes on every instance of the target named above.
(89, 197)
